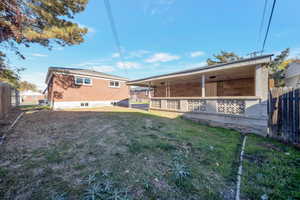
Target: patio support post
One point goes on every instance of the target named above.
(149, 93)
(167, 89)
(166, 86)
(149, 96)
(261, 82)
(129, 99)
(203, 85)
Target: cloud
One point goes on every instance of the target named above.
(91, 30)
(196, 65)
(158, 6)
(115, 55)
(58, 48)
(131, 54)
(93, 63)
(138, 53)
(103, 68)
(162, 57)
(39, 55)
(200, 64)
(196, 54)
(128, 65)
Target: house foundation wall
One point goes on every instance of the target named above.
(247, 115)
(87, 104)
(238, 123)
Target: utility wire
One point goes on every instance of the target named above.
(269, 24)
(262, 21)
(114, 31)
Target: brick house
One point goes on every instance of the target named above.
(232, 95)
(80, 88)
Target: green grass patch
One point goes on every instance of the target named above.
(33, 107)
(271, 169)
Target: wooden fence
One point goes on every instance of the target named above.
(9, 98)
(284, 114)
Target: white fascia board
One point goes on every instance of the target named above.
(228, 66)
(88, 76)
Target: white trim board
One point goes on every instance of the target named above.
(77, 104)
(87, 76)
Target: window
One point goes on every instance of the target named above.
(79, 80)
(87, 81)
(83, 81)
(115, 84)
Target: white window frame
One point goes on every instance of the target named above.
(113, 86)
(83, 79)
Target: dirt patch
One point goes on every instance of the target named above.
(6, 122)
(55, 151)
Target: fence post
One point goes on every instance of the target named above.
(297, 116)
(1, 101)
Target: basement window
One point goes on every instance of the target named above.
(84, 104)
(114, 84)
(83, 81)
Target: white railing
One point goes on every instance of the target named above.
(240, 106)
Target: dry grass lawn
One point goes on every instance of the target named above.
(119, 153)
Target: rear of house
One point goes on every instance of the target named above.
(80, 88)
(231, 95)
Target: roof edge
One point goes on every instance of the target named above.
(66, 70)
(200, 68)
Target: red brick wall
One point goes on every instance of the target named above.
(65, 89)
(239, 87)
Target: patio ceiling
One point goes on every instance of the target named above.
(235, 70)
(220, 75)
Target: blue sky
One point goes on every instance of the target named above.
(161, 36)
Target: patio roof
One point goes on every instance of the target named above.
(238, 65)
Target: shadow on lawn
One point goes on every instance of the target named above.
(145, 155)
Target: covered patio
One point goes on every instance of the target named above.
(232, 94)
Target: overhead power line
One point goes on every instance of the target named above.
(269, 24)
(262, 21)
(114, 31)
